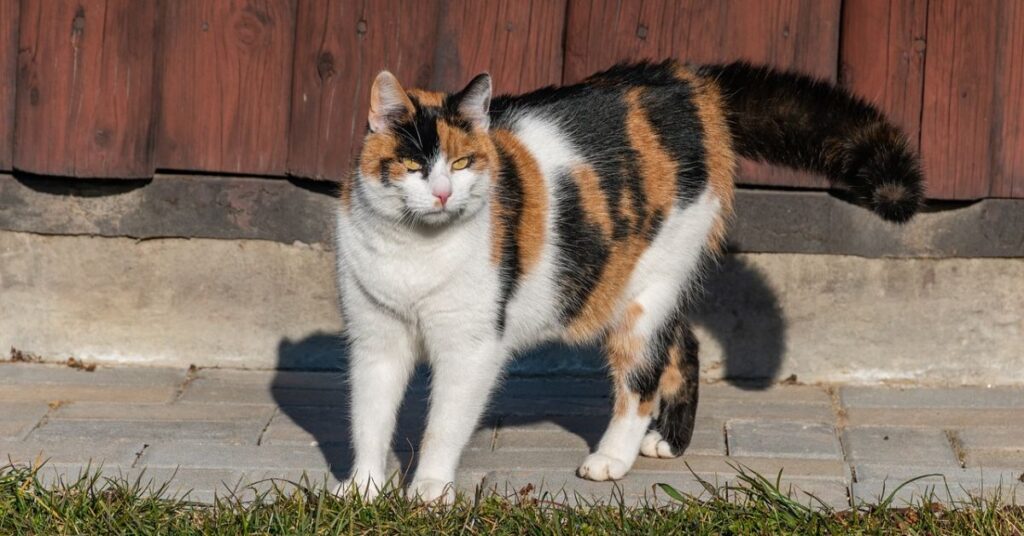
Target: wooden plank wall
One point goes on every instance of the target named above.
(8, 70)
(225, 85)
(85, 91)
(121, 88)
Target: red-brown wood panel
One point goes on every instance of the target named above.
(225, 85)
(959, 98)
(439, 44)
(882, 49)
(8, 66)
(84, 88)
(791, 34)
(1008, 128)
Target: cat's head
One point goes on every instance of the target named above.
(427, 158)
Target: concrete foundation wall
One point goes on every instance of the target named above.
(265, 304)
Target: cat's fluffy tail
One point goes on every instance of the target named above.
(797, 121)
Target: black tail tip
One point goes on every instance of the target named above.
(896, 202)
(888, 179)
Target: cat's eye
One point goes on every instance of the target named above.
(461, 163)
(411, 165)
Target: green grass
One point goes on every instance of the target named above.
(94, 505)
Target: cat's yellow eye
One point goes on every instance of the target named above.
(461, 163)
(411, 165)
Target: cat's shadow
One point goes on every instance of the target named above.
(740, 311)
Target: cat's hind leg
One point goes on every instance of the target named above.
(636, 358)
(677, 391)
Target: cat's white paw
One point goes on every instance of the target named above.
(600, 467)
(653, 446)
(368, 487)
(432, 491)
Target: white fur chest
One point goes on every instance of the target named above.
(409, 272)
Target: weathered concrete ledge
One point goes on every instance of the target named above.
(776, 221)
(266, 304)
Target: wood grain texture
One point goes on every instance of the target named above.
(8, 68)
(1008, 128)
(959, 98)
(882, 57)
(789, 34)
(225, 85)
(84, 88)
(432, 44)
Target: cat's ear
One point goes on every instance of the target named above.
(475, 101)
(389, 103)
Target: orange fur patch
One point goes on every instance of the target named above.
(671, 380)
(720, 159)
(530, 237)
(657, 168)
(646, 406)
(427, 98)
(376, 148)
(595, 204)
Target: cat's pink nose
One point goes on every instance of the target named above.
(442, 196)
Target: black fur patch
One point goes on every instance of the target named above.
(510, 196)
(582, 250)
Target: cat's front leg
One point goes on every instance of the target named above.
(463, 375)
(383, 356)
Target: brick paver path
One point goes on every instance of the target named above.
(219, 429)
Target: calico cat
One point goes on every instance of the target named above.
(473, 229)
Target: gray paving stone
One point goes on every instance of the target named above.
(328, 426)
(782, 439)
(945, 418)
(18, 418)
(955, 397)
(994, 458)
(239, 432)
(786, 394)
(1009, 438)
(551, 406)
(38, 373)
(591, 425)
(219, 456)
(211, 392)
(723, 409)
(944, 484)
(912, 446)
(128, 394)
(15, 429)
(993, 447)
(553, 388)
(23, 411)
(285, 379)
(104, 411)
(98, 452)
